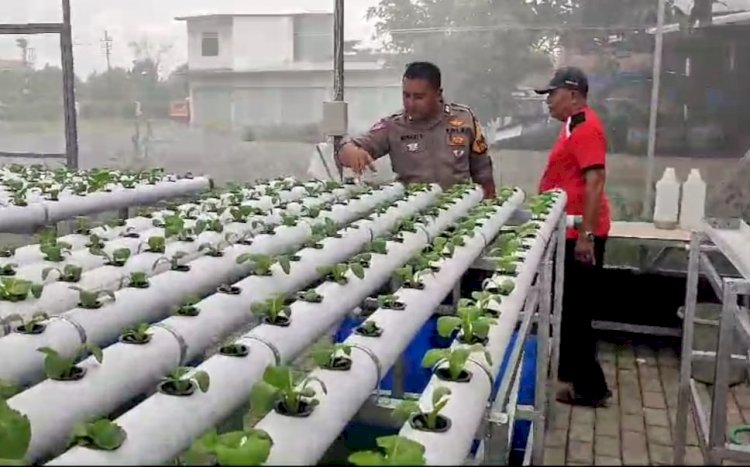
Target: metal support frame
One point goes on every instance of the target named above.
(711, 424)
(64, 29)
(543, 308)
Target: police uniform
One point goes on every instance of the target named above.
(447, 149)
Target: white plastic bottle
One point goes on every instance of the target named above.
(667, 203)
(693, 207)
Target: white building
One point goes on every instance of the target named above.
(272, 70)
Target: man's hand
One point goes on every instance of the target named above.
(585, 250)
(356, 158)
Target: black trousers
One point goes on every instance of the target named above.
(578, 362)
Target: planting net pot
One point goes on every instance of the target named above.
(305, 409)
(706, 338)
(131, 341)
(167, 388)
(340, 364)
(34, 331)
(444, 374)
(77, 374)
(419, 422)
(235, 350)
(181, 268)
(377, 333)
(281, 321)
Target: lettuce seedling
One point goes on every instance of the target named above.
(309, 296)
(471, 321)
(55, 252)
(236, 448)
(287, 391)
(181, 382)
(90, 300)
(337, 272)
(456, 358)
(62, 368)
(138, 280)
(261, 264)
(95, 243)
(409, 278)
(378, 246)
(137, 334)
(335, 357)
(8, 269)
(369, 329)
(118, 259)
(390, 302)
(426, 421)
(17, 290)
(15, 435)
(174, 262)
(157, 245)
(7, 390)
(32, 325)
(216, 251)
(102, 434)
(274, 311)
(394, 450)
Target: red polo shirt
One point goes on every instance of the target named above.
(582, 145)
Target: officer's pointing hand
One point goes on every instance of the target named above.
(356, 158)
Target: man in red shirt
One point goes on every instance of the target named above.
(577, 165)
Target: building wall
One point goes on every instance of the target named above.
(196, 29)
(291, 98)
(262, 41)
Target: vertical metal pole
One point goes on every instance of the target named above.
(338, 69)
(557, 305)
(542, 357)
(655, 88)
(69, 92)
(718, 423)
(686, 357)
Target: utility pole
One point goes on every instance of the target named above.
(23, 44)
(107, 47)
(338, 69)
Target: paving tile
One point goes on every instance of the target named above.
(607, 446)
(653, 400)
(659, 435)
(607, 461)
(554, 456)
(556, 438)
(634, 450)
(693, 456)
(607, 422)
(656, 417)
(560, 415)
(742, 395)
(633, 423)
(582, 415)
(580, 451)
(661, 454)
(631, 406)
(668, 358)
(581, 432)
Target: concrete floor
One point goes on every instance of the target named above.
(637, 427)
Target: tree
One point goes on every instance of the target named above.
(482, 45)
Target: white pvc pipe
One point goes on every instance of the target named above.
(114, 382)
(372, 358)
(162, 426)
(468, 401)
(25, 365)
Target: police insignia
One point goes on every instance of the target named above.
(412, 147)
(458, 140)
(456, 122)
(458, 153)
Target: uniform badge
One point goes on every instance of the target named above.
(456, 122)
(458, 140)
(458, 153)
(412, 147)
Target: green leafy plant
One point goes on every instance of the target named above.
(274, 311)
(70, 273)
(430, 420)
(390, 302)
(507, 266)
(472, 323)
(54, 252)
(137, 334)
(289, 220)
(394, 450)
(130, 232)
(174, 262)
(378, 246)
(182, 381)
(285, 390)
(7, 390)
(335, 357)
(311, 212)
(156, 244)
(337, 272)
(118, 259)
(17, 290)
(15, 435)
(188, 308)
(90, 299)
(217, 251)
(236, 448)
(456, 358)
(8, 269)
(241, 214)
(6, 252)
(409, 278)
(310, 296)
(95, 242)
(62, 368)
(369, 329)
(32, 325)
(102, 434)
(138, 280)
(361, 260)
(234, 349)
(261, 264)
(210, 225)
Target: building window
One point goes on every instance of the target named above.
(210, 44)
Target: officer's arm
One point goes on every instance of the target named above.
(480, 162)
(374, 141)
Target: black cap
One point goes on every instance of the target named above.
(569, 78)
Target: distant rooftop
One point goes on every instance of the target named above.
(275, 13)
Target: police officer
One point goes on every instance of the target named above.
(429, 142)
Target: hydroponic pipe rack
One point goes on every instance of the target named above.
(418, 239)
(731, 238)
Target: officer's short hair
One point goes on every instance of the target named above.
(426, 71)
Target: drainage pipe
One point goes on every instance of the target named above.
(124, 374)
(23, 365)
(187, 418)
(468, 401)
(372, 358)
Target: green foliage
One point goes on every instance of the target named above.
(236, 448)
(26, 325)
(138, 333)
(472, 322)
(407, 408)
(394, 450)
(17, 290)
(62, 368)
(181, 379)
(15, 435)
(327, 355)
(456, 358)
(290, 387)
(273, 309)
(90, 299)
(102, 434)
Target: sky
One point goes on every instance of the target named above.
(131, 20)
